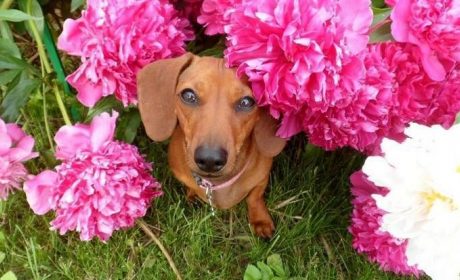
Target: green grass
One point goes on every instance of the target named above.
(308, 198)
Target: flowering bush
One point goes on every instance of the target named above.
(320, 78)
(394, 92)
(419, 205)
(380, 246)
(114, 48)
(304, 55)
(101, 185)
(15, 148)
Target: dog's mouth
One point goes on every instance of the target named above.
(228, 173)
(216, 177)
(208, 176)
(205, 180)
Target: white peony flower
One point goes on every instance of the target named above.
(423, 204)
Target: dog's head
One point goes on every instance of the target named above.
(215, 110)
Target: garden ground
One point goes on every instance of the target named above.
(308, 198)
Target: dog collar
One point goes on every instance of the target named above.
(208, 185)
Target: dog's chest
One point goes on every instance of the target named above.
(224, 198)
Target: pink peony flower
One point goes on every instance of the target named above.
(299, 55)
(101, 186)
(390, 3)
(380, 247)
(363, 116)
(215, 14)
(15, 148)
(444, 108)
(40, 191)
(417, 97)
(432, 25)
(394, 92)
(115, 39)
(313, 71)
(189, 9)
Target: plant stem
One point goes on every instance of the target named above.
(47, 65)
(40, 47)
(45, 116)
(61, 105)
(6, 4)
(157, 241)
(45, 110)
(47, 126)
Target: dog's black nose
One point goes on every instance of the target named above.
(210, 159)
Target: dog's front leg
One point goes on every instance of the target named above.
(191, 195)
(258, 215)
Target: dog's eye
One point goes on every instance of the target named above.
(189, 96)
(245, 104)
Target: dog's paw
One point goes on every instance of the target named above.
(263, 228)
(191, 196)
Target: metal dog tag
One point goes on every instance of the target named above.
(208, 189)
(209, 196)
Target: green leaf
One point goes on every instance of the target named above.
(378, 3)
(9, 47)
(76, 112)
(33, 8)
(214, 52)
(252, 273)
(2, 257)
(17, 96)
(10, 62)
(378, 11)
(380, 15)
(2, 236)
(382, 34)
(381, 27)
(76, 4)
(128, 125)
(5, 30)
(274, 262)
(457, 119)
(267, 273)
(105, 105)
(15, 15)
(8, 76)
(9, 276)
(55, 59)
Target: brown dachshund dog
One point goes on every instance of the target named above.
(218, 134)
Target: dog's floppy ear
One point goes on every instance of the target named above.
(267, 142)
(156, 84)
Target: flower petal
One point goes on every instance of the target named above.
(72, 139)
(40, 192)
(102, 129)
